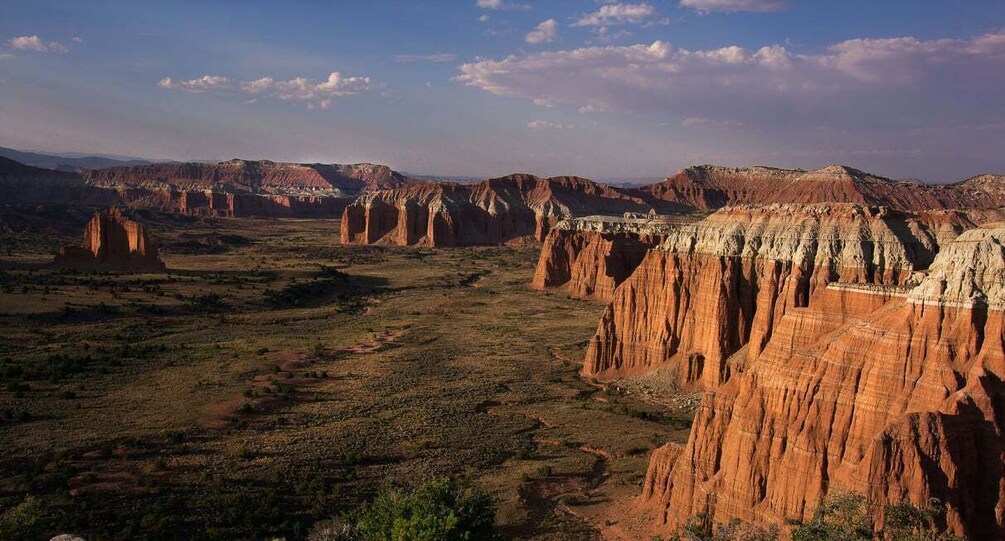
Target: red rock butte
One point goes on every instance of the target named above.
(494, 211)
(838, 346)
(112, 242)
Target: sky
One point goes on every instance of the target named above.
(603, 89)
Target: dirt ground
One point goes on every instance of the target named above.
(272, 378)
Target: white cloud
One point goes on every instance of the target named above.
(484, 18)
(35, 43)
(300, 89)
(612, 14)
(77, 39)
(28, 43)
(500, 5)
(6, 56)
(543, 33)
(205, 83)
(727, 6)
(657, 77)
(441, 57)
(547, 125)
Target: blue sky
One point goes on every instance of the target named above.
(605, 89)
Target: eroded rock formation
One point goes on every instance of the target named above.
(112, 242)
(491, 212)
(232, 188)
(895, 392)
(719, 284)
(591, 256)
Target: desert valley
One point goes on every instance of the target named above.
(245, 349)
(575, 270)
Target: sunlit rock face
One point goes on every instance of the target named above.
(115, 243)
(841, 347)
(494, 211)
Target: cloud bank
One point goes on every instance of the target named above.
(300, 89)
(878, 79)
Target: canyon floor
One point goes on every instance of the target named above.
(273, 378)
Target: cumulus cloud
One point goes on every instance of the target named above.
(37, 44)
(856, 77)
(543, 33)
(6, 56)
(441, 57)
(500, 5)
(614, 14)
(483, 19)
(548, 125)
(300, 89)
(727, 6)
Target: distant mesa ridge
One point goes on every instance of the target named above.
(380, 205)
(498, 210)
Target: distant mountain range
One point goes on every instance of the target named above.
(71, 161)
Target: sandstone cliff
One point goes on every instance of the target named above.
(112, 242)
(591, 256)
(719, 284)
(490, 212)
(895, 392)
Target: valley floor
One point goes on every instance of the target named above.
(273, 378)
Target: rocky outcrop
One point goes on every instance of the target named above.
(494, 211)
(112, 242)
(895, 392)
(718, 285)
(712, 186)
(591, 256)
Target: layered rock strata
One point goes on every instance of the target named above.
(491, 212)
(712, 186)
(591, 256)
(894, 392)
(719, 284)
(233, 188)
(112, 242)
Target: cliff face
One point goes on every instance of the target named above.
(893, 392)
(723, 283)
(112, 242)
(491, 212)
(591, 256)
(711, 186)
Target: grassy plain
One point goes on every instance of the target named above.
(273, 378)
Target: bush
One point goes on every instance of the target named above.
(842, 516)
(441, 510)
(846, 516)
(19, 522)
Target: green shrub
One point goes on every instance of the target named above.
(441, 510)
(19, 522)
